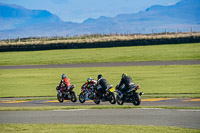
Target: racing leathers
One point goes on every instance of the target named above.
(66, 83)
(125, 84)
(102, 85)
(89, 85)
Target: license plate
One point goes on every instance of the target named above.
(112, 89)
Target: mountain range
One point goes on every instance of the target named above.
(18, 21)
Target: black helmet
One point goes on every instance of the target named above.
(99, 76)
(63, 76)
(123, 75)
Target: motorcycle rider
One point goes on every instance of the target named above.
(126, 83)
(102, 85)
(66, 82)
(90, 82)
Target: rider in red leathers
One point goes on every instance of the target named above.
(66, 82)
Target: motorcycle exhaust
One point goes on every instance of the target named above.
(141, 93)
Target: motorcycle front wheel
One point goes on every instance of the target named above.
(73, 96)
(119, 100)
(60, 99)
(81, 98)
(112, 98)
(136, 99)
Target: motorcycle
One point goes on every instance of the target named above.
(131, 96)
(108, 95)
(66, 94)
(89, 93)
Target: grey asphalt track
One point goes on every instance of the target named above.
(174, 102)
(156, 117)
(112, 64)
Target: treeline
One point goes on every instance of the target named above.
(100, 44)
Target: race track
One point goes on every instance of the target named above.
(156, 117)
(174, 102)
(111, 64)
(187, 118)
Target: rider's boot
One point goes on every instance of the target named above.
(121, 95)
(103, 98)
(59, 93)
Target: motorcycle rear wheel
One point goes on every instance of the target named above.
(73, 96)
(81, 98)
(60, 99)
(112, 98)
(119, 100)
(136, 99)
(96, 99)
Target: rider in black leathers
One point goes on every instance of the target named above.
(127, 82)
(102, 85)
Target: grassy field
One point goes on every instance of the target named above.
(83, 128)
(116, 54)
(153, 79)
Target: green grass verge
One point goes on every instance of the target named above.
(86, 128)
(44, 108)
(164, 80)
(116, 54)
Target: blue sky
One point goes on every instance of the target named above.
(80, 10)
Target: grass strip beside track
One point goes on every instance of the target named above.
(152, 79)
(44, 108)
(115, 54)
(85, 128)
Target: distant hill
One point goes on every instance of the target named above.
(17, 21)
(183, 15)
(14, 16)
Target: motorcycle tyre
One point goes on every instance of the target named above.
(81, 96)
(112, 96)
(97, 99)
(60, 99)
(136, 99)
(73, 96)
(118, 100)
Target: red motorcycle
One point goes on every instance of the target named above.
(66, 94)
(89, 93)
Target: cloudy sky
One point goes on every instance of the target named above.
(80, 10)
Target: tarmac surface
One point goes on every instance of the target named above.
(174, 102)
(187, 118)
(111, 64)
(147, 116)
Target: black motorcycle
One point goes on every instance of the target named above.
(66, 94)
(131, 96)
(107, 95)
